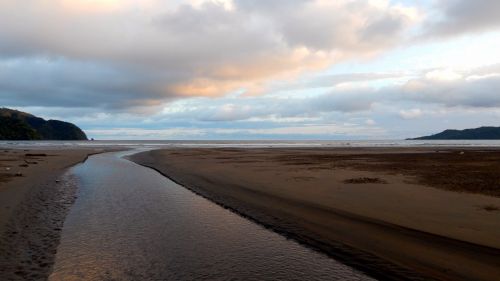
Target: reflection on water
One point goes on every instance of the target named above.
(131, 223)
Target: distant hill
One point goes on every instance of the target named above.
(482, 133)
(18, 125)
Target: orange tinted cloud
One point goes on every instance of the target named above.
(197, 48)
(86, 6)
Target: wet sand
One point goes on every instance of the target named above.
(395, 213)
(35, 197)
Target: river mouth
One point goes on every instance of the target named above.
(131, 223)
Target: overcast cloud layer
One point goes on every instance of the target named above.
(222, 68)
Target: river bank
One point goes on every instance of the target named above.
(383, 210)
(35, 197)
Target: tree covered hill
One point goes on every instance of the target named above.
(18, 125)
(482, 133)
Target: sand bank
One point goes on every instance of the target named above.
(35, 196)
(395, 213)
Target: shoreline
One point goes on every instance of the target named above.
(378, 247)
(34, 208)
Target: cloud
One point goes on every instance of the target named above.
(370, 122)
(473, 89)
(432, 100)
(477, 88)
(297, 131)
(411, 113)
(250, 68)
(463, 16)
(59, 82)
(331, 80)
(137, 53)
(275, 107)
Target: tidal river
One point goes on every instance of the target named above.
(131, 223)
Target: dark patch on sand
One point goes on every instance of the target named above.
(490, 208)
(472, 171)
(365, 180)
(35, 155)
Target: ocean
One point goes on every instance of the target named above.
(254, 143)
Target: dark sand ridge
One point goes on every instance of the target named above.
(34, 200)
(382, 202)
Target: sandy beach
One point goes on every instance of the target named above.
(396, 213)
(35, 197)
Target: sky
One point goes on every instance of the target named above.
(242, 69)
